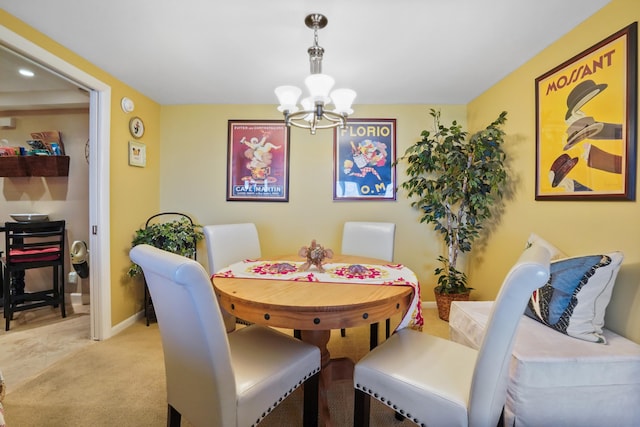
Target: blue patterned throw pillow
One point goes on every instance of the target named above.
(575, 298)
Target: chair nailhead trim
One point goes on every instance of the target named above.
(389, 403)
(281, 398)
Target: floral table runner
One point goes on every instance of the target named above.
(387, 274)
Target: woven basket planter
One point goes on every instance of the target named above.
(443, 302)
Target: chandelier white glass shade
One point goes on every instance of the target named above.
(313, 112)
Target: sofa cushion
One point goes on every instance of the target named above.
(555, 380)
(575, 298)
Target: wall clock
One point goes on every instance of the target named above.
(136, 127)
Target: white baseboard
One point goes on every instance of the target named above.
(76, 298)
(126, 323)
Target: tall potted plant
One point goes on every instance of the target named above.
(454, 181)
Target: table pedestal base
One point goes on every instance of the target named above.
(332, 370)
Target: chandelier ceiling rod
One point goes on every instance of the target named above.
(314, 107)
(316, 22)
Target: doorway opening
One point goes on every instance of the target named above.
(98, 157)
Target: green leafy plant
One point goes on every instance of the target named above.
(454, 181)
(179, 236)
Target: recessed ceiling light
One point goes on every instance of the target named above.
(26, 73)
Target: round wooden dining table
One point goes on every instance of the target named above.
(314, 309)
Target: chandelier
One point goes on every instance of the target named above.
(313, 108)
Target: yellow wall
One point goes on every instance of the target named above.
(193, 141)
(193, 180)
(574, 227)
(134, 191)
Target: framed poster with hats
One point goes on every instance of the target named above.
(586, 113)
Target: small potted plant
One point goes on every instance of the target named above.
(179, 236)
(454, 181)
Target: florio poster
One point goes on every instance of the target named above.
(364, 156)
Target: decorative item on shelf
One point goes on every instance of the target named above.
(6, 150)
(29, 217)
(454, 181)
(38, 148)
(52, 141)
(315, 255)
(136, 127)
(314, 107)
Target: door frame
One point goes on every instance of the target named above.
(99, 163)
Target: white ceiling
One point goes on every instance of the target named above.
(390, 52)
(45, 90)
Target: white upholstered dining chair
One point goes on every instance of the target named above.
(436, 382)
(373, 240)
(369, 239)
(228, 244)
(214, 378)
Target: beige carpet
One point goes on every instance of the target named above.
(26, 352)
(121, 382)
(41, 317)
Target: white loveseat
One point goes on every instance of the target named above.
(556, 380)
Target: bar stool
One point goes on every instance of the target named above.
(29, 246)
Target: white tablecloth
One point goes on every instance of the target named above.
(369, 274)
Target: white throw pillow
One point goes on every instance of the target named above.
(575, 298)
(555, 253)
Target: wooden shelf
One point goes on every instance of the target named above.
(34, 166)
(13, 166)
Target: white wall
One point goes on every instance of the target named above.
(59, 197)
